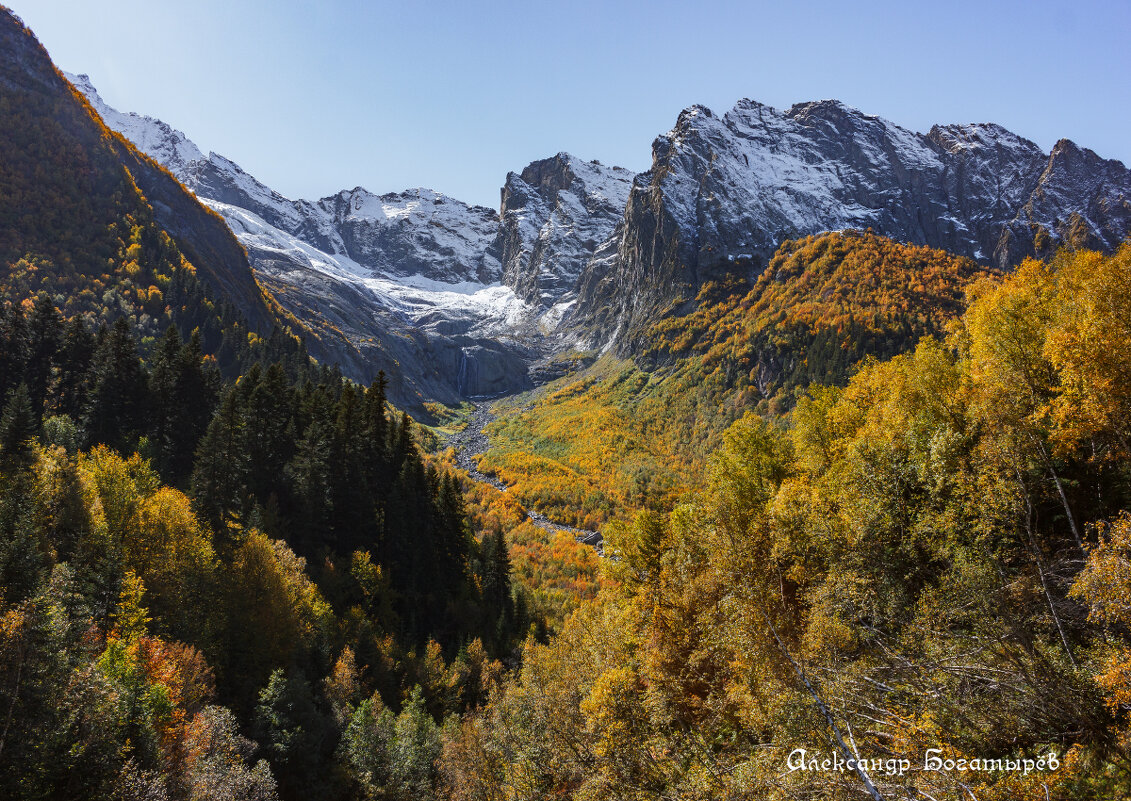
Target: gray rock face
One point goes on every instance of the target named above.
(724, 192)
(1080, 198)
(487, 369)
(458, 301)
(555, 215)
(405, 282)
(416, 232)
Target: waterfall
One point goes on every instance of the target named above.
(467, 381)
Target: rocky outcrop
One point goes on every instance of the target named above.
(555, 215)
(581, 256)
(724, 192)
(1080, 199)
(417, 232)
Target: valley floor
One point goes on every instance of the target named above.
(472, 442)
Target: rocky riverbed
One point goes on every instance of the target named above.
(471, 443)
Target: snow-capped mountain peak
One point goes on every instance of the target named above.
(556, 214)
(725, 190)
(158, 140)
(580, 252)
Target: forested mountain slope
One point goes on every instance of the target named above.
(102, 228)
(627, 434)
(211, 549)
(934, 556)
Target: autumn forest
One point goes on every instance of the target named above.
(872, 504)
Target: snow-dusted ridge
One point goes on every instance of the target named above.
(487, 308)
(583, 254)
(418, 252)
(414, 232)
(725, 190)
(158, 140)
(409, 282)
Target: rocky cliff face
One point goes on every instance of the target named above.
(1080, 199)
(417, 232)
(457, 299)
(555, 215)
(724, 192)
(405, 282)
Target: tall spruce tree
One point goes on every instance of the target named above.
(20, 558)
(495, 580)
(17, 429)
(310, 473)
(44, 332)
(183, 398)
(220, 472)
(116, 414)
(75, 360)
(376, 433)
(271, 433)
(14, 346)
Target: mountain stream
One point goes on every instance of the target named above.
(472, 442)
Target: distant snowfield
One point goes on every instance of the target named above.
(580, 249)
(426, 258)
(415, 297)
(492, 305)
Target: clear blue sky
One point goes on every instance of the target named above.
(313, 96)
